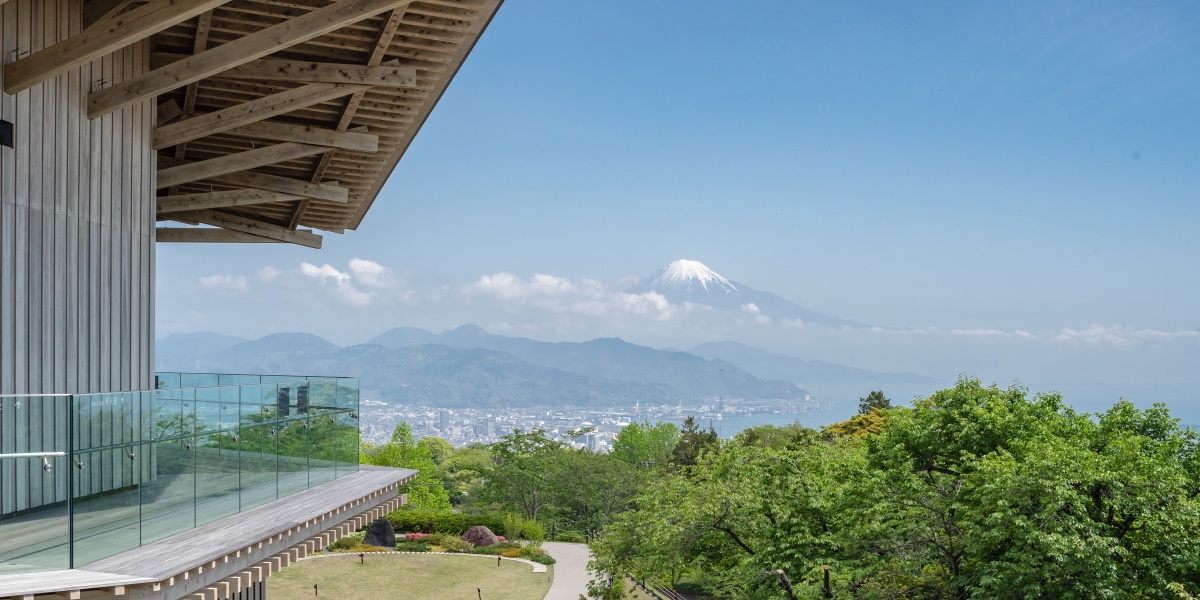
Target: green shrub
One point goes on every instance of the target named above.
(513, 526)
(571, 537)
(545, 560)
(518, 527)
(424, 521)
(534, 532)
(498, 548)
(413, 547)
(444, 542)
(353, 545)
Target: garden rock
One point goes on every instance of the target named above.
(480, 536)
(380, 533)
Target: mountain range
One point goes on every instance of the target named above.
(469, 367)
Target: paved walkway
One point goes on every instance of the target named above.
(570, 572)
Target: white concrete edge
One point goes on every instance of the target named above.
(537, 567)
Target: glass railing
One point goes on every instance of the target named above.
(87, 476)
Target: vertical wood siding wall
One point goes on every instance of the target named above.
(76, 243)
(76, 221)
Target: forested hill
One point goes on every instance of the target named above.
(604, 372)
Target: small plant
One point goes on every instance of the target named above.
(571, 537)
(443, 542)
(513, 526)
(413, 547)
(534, 532)
(352, 545)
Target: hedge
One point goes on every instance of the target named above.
(424, 521)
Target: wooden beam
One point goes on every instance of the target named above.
(94, 10)
(207, 235)
(199, 44)
(296, 187)
(359, 141)
(255, 227)
(265, 69)
(328, 190)
(250, 112)
(236, 52)
(105, 37)
(168, 111)
(382, 42)
(225, 199)
(232, 163)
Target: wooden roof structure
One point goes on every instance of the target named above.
(275, 117)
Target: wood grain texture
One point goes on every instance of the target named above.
(243, 50)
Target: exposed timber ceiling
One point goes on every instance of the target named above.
(275, 118)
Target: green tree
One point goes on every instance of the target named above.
(426, 492)
(873, 401)
(439, 449)
(521, 477)
(693, 442)
(645, 444)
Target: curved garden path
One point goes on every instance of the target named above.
(570, 570)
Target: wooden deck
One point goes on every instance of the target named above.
(166, 558)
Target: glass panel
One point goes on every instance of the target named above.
(165, 380)
(34, 523)
(217, 476)
(225, 379)
(293, 456)
(196, 380)
(259, 466)
(169, 489)
(106, 504)
(347, 444)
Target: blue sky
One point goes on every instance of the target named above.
(1005, 166)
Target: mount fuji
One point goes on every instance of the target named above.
(693, 281)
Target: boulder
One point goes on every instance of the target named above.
(480, 536)
(380, 533)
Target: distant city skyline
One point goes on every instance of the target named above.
(1003, 189)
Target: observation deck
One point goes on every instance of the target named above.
(128, 489)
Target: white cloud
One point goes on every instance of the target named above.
(231, 282)
(751, 308)
(980, 332)
(342, 283)
(323, 272)
(584, 297)
(371, 273)
(1122, 335)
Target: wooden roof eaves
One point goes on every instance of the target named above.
(373, 193)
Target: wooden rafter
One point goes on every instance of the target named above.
(249, 129)
(203, 26)
(356, 139)
(208, 235)
(106, 36)
(229, 55)
(233, 163)
(225, 199)
(382, 42)
(95, 10)
(253, 227)
(250, 112)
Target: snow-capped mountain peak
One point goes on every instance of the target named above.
(690, 274)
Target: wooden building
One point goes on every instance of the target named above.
(124, 123)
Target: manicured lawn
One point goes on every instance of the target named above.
(408, 576)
